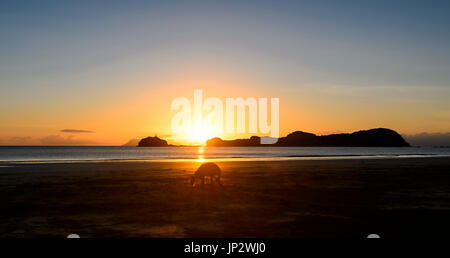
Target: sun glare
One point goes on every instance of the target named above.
(200, 134)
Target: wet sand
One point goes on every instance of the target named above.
(408, 197)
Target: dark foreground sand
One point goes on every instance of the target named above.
(312, 198)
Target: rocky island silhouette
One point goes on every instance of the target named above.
(379, 137)
(152, 142)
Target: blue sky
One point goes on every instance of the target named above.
(388, 52)
(405, 42)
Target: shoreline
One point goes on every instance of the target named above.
(243, 159)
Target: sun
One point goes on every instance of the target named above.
(200, 134)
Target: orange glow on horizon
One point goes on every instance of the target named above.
(143, 109)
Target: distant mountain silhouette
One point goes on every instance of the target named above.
(379, 137)
(429, 139)
(253, 141)
(152, 142)
(132, 142)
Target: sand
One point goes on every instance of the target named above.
(408, 197)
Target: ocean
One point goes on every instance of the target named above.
(43, 154)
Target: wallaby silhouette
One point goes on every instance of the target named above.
(207, 169)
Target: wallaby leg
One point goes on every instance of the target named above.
(218, 180)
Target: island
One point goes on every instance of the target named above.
(379, 137)
(152, 142)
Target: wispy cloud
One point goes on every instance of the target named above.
(50, 140)
(75, 131)
(60, 140)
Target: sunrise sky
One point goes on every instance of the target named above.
(104, 72)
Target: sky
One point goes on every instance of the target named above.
(105, 72)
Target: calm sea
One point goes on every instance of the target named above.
(74, 154)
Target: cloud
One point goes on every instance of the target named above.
(47, 140)
(60, 140)
(18, 140)
(21, 139)
(75, 131)
(428, 139)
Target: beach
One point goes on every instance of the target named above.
(391, 197)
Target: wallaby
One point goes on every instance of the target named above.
(207, 169)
